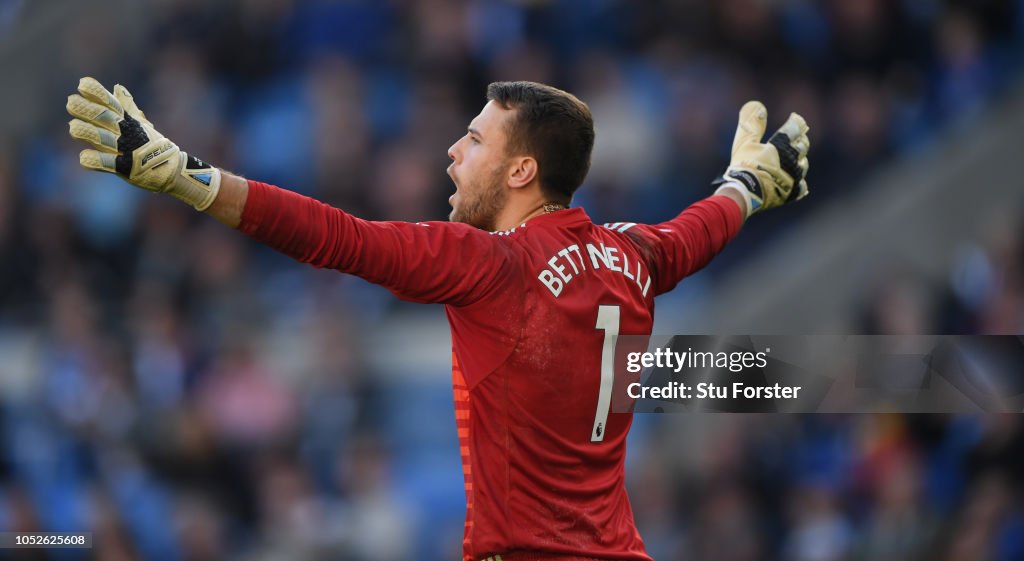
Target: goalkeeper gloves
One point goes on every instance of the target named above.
(126, 143)
(769, 174)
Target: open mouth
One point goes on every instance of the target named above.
(451, 197)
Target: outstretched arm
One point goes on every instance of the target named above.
(424, 262)
(682, 246)
(760, 176)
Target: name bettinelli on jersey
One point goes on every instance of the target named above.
(571, 262)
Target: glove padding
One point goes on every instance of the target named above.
(769, 174)
(126, 143)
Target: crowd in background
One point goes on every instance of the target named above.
(186, 395)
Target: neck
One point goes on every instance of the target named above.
(513, 217)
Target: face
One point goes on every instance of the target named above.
(479, 171)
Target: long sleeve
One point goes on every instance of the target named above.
(682, 246)
(423, 262)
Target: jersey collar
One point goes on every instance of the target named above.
(567, 216)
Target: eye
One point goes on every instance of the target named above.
(474, 140)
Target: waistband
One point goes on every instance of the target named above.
(537, 556)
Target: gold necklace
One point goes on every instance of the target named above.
(553, 207)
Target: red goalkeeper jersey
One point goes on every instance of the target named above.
(534, 312)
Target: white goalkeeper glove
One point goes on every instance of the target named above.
(769, 174)
(126, 143)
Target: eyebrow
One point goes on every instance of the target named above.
(474, 131)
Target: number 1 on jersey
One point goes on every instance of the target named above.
(607, 321)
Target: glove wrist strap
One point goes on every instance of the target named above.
(196, 183)
(744, 183)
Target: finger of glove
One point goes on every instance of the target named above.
(128, 102)
(789, 156)
(101, 139)
(93, 113)
(802, 144)
(802, 190)
(752, 122)
(94, 91)
(794, 127)
(94, 159)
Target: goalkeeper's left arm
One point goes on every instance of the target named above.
(426, 262)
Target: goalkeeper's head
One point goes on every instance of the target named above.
(530, 145)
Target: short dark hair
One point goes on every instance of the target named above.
(552, 126)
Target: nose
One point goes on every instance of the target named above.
(453, 151)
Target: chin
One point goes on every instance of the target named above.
(456, 216)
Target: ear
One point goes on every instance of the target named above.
(522, 172)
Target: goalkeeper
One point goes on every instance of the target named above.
(535, 293)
